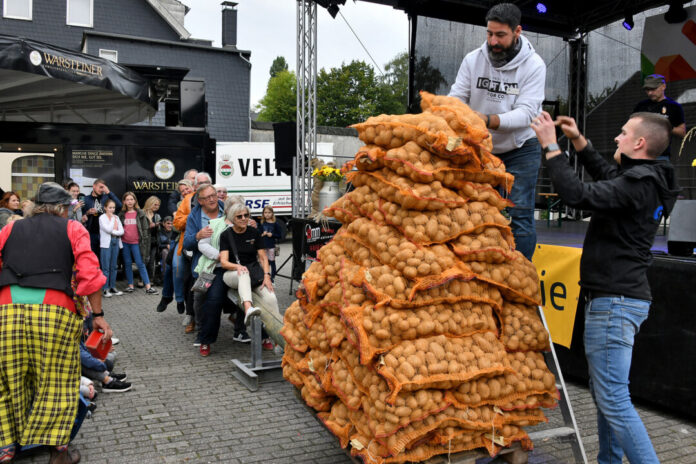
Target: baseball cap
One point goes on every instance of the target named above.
(52, 193)
(653, 81)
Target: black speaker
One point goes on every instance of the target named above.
(681, 239)
(285, 137)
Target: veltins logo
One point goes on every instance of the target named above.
(35, 58)
(164, 169)
(225, 168)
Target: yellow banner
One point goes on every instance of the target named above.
(559, 276)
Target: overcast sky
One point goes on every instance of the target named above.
(268, 28)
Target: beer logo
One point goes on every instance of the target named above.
(225, 168)
(35, 58)
(164, 169)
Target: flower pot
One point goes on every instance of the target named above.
(328, 194)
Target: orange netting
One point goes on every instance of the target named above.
(416, 332)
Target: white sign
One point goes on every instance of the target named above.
(248, 169)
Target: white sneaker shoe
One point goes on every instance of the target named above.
(252, 311)
(107, 294)
(115, 341)
(116, 292)
(187, 320)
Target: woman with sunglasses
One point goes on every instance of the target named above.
(240, 248)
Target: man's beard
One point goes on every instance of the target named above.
(503, 55)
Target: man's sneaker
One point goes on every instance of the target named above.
(190, 327)
(252, 311)
(107, 294)
(129, 289)
(267, 344)
(180, 307)
(197, 341)
(151, 291)
(120, 377)
(115, 386)
(204, 350)
(242, 337)
(116, 292)
(162, 306)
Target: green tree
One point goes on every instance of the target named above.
(278, 65)
(280, 102)
(347, 95)
(426, 77)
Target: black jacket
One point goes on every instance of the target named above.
(627, 204)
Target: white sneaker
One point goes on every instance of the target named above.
(116, 292)
(107, 294)
(187, 320)
(115, 341)
(252, 311)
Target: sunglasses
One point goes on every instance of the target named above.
(209, 197)
(242, 216)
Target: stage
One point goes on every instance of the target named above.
(663, 371)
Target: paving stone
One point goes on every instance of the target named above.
(188, 409)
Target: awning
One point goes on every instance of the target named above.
(43, 83)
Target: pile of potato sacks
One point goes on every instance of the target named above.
(416, 332)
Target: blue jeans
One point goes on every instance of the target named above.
(212, 308)
(109, 257)
(610, 327)
(523, 163)
(133, 250)
(180, 273)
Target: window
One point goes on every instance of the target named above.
(17, 9)
(80, 13)
(111, 55)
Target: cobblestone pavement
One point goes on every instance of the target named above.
(187, 409)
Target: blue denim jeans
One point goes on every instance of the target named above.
(109, 257)
(610, 327)
(131, 252)
(212, 308)
(180, 272)
(523, 163)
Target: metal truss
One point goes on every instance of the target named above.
(577, 99)
(306, 107)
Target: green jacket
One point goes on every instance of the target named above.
(206, 264)
(143, 224)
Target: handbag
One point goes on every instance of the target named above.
(203, 282)
(256, 273)
(277, 251)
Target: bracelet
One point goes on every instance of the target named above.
(101, 314)
(268, 273)
(575, 138)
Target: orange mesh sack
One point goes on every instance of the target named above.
(423, 363)
(337, 422)
(459, 116)
(380, 329)
(492, 245)
(518, 279)
(410, 195)
(428, 227)
(428, 130)
(522, 329)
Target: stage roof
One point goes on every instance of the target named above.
(564, 18)
(43, 83)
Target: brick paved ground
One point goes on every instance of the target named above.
(188, 409)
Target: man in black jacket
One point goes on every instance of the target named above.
(627, 201)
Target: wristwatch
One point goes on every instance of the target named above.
(551, 147)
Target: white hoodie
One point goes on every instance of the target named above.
(514, 92)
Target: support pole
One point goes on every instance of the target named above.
(306, 106)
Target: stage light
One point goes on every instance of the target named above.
(541, 8)
(628, 22)
(676, 13)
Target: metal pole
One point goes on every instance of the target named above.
(306, 102)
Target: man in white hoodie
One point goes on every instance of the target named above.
(503, 81)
